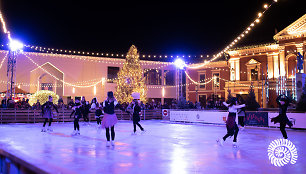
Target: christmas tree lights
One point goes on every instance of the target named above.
(130, 78)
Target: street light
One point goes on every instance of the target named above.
(15, 45)
(14, 48)
(180, 65)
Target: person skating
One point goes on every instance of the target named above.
(47, 113)
(241, 113)
(136, 110)
(98, 109)
(77, 111)
(283, 103)
(231, 125)
(110, 119)
(85, 109)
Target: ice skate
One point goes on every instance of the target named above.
(107, 144)
(133, 133)
(74, 133)
(220, 142)
(235, 145)
(143, 131)
(113, 143)
(43, 129)
(78, 132)
(50, 129)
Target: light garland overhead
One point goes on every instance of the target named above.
(3, 60)
(114, 55)
(238, 38)
(5, 30)
(66, 83)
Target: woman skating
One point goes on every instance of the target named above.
(283, 103)
(231, 125)
(77, 111)
(47, 113)
(136, 110)
(241, 113)
(97, 108)
(110, 119)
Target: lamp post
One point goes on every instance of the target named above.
(14, 48)
(180, 66)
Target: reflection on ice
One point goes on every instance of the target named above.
(164, 148)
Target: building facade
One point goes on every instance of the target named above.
(270, 68)
(73, 76)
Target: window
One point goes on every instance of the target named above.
(202, 80)
(169, 77)
(46, 86)
(254, 74)
(153, 77)
(112, 73)
(216, 80)
(232, 74)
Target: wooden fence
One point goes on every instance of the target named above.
(34, 116)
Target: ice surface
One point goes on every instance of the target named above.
(164, 148)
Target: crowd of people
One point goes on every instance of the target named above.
(151, 105)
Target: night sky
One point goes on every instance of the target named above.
(155, 28)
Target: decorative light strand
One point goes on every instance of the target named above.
(115, 55)
(66, 83)
(193, 81)
(237, 39)
(5, 30)
(3, 60)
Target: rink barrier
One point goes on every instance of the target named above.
(12, 164)
(34, 116)
(253, 118)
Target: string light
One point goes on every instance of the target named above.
(115, 55)
(3, 60)
(5, 30)
(235, 41)
(69, 84)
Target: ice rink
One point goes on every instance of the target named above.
(164, 148)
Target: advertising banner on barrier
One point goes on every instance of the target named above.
(198, 116)
(251, 119)
(256, 119)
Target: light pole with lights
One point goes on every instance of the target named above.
(180, 67)
(14, 48)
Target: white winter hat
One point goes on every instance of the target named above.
(136, 95)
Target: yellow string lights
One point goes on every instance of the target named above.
(3, 60)
(238, 38)
(113, 55)
(5, 30)
(66, 83)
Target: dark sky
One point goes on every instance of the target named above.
(155, 28)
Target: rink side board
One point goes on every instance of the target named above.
(256, 118)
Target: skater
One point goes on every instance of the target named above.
(77, 111)
(136, 110)
(283, 102)
(231, 126)
(85, 109)
(110, 119)
(97, 108)
(241, 113)
(47, 113)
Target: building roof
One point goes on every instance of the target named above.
(297, 28)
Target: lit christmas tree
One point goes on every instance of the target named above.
(130, 78)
